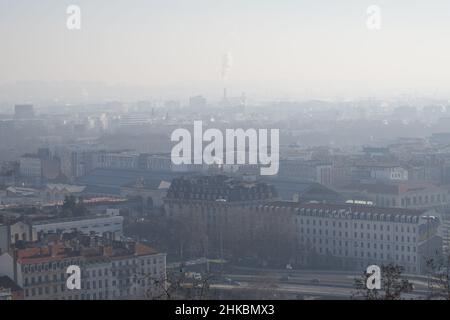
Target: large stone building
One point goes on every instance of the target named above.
(214, 206)
(215, 191)
(354, 236)
(109, 270)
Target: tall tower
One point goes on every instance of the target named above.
(227, 62)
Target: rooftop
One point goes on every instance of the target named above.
(397, 188)
(219, 187)
(59, 187)
(348, 207)
(69, 219)
(83, 247)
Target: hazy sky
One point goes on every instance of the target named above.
(287, 47)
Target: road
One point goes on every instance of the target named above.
(326, 284)
(316, 283)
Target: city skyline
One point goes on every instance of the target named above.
(292, 49)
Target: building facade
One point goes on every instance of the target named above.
(108, 271)
(354, 236)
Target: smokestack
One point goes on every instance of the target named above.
(227, 63)
(243, 99)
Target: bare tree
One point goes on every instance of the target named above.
(439, 278)
(393, 285)
(176, 285)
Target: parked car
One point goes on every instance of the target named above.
(194, 275)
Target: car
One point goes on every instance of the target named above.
(315, 281)
(285, 278)
(194, 275)
(231, 281)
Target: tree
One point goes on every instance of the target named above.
(393, 285)
(69, 204)
(176, 285)
(73, 207)
(80, 209)
(439, 278)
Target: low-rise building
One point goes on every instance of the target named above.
(410, 195)
(109, 225)
(58, 191)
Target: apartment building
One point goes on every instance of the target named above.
(354, 236)
(109, 270)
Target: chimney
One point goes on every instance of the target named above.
(225, 94)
